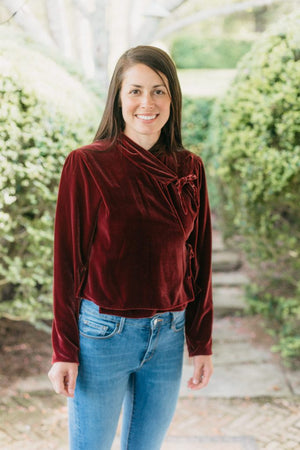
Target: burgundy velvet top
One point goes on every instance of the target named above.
(133, 235)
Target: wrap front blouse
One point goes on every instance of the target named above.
(133, 235)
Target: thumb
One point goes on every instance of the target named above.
(198, 374)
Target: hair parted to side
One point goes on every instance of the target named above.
(112, 123)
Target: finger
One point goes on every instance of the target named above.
(198, 374)
(59, 386)
(195, 386)
(200, 379)
(71, 383)
(57, 380)
(192, 384)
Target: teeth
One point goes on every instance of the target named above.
(146, 117)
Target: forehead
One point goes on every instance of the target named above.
(140, 74)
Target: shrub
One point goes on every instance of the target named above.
(195, 122)
(255, 134)
(189, 52)
(44, 114)
(195, 128)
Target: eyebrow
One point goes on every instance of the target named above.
(140, 86)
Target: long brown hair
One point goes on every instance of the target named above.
(112, 123)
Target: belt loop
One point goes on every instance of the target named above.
(175, 315)
(173, 319)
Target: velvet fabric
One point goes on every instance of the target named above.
(133, 235)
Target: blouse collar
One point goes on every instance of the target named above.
(145, 159)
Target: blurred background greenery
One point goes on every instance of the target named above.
(239, 67)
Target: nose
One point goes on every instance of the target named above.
(147, 100)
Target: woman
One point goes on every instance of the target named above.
(132, 264)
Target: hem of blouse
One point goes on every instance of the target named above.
(126, 312)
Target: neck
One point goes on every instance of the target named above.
(143, 140)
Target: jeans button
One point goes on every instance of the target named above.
(155, 322)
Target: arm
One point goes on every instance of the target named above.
(76, 213)
(199, 313)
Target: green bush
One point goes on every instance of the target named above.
(189, 52)
(195, 128)
(255, 134)
(44, 114)
(195, 122)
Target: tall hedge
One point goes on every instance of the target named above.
(195, 122)
(256, 139)
(44, 114)
(191, 52)
(195, 130)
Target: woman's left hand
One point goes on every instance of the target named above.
(203, 369)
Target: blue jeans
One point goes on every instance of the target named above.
(134, 362)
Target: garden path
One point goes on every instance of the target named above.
(252, 401)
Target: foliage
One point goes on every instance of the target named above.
(195, 129)
(255, 134)
(279, 310)
(44, 114)
(189, 52)
(195, 121)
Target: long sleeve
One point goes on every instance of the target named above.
(199, 313)
(76, 214)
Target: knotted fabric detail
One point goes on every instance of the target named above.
(182, 182)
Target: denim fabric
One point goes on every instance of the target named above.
(134, 362)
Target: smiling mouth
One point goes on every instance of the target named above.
(144, 117)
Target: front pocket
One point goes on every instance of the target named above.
(101, 328)
(178, 320)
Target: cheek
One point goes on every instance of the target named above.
(167, 105)
(124, 109)
(127, 107)
(167, 109)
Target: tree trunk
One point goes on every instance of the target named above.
(260, 19)
(151, 16)
(100, 48)
(119, 19)
(58, 26)
(84, 44)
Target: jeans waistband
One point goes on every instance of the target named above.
(87, 306)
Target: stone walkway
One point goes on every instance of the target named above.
(252, 402)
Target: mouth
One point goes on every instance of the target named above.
(146, 117)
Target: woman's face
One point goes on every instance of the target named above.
(145, 103)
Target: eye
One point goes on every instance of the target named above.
(159, 92)
(134, 92)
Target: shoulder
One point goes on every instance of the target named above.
(95, 148)
(193, 157)
(89, 152)
(189, 161)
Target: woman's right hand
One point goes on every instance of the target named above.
(63, 377)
